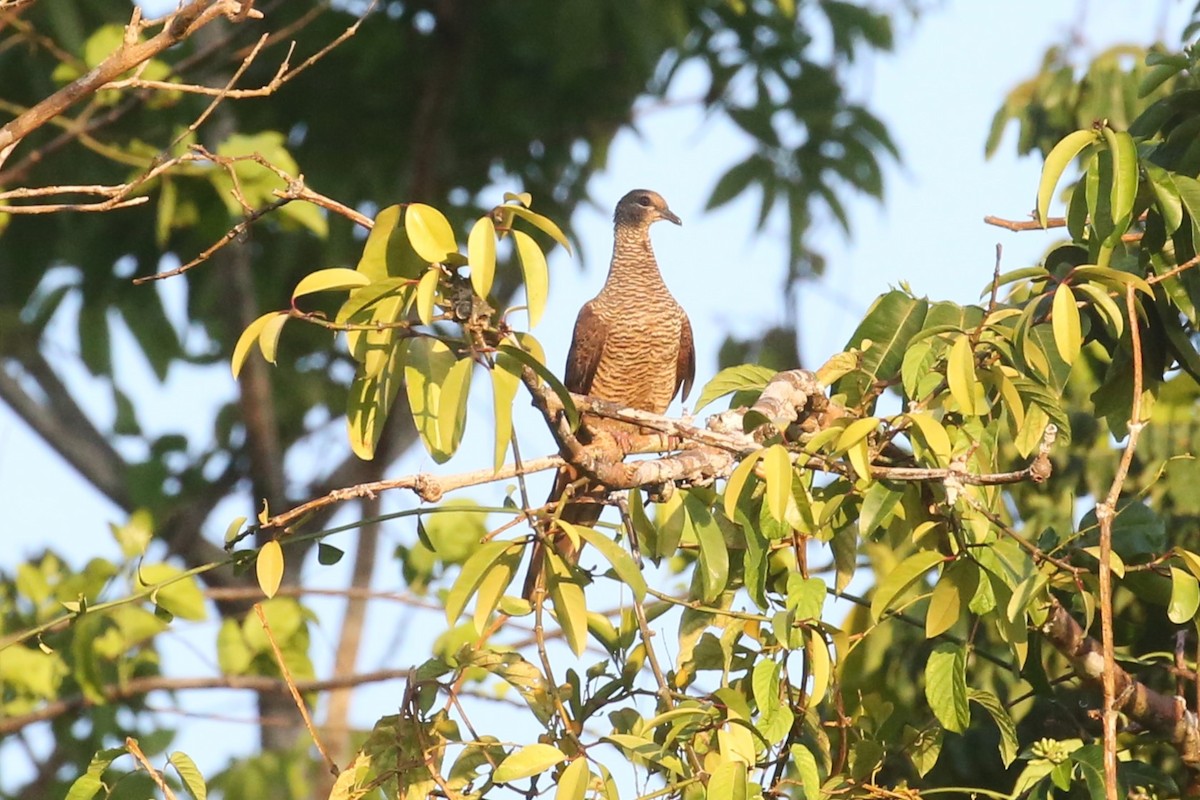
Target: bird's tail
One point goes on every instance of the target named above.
(584, 514)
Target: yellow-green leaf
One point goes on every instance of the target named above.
(430, 232)
(491, 586)
(471, 575)
(777, 472)
(544, 224)
(573, 783)
(1190, 560)
(524, 198)
(1125, 176)
(324, 280)
(269, 567)
(622, 563)
(1185, 596)
(481, 255)
(934, 435)
(506, 379)
(737, 482)
(530, 760)
(1057, 161)
(370, 400)
(536, 274)
(425, 371)
(190, 774)
(248, 338)
(953, 592)
(960, 374)
(728, 781)
(452, 418)
(904, 575)
(1068, 336)
(268, 339)
(1103, 301)
(821, 667)
(570, 607)
(857, 431)
(426, 292)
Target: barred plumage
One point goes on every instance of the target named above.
(632, 345)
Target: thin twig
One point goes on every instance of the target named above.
(131, 744)
(291, 684)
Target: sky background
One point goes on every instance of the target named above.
(936, 94)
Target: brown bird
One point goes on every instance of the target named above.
(632, 345)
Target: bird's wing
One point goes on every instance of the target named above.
(587, 345)
(685, 367)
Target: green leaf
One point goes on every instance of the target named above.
(737, 482)
(248, 338)
(564, 396)
(268, 567)
(777, 473)
(506, 378)
(714, 556)
(906, 573)
(544, 224)
(268, 339)
(532, 759)
(426, 294)
(1125, 176)
(1185, 596)
(452, 418)
(622, 563)
(536, 274)
(177, 592)
(481, 255)
(728, 781)
(371, 398)
(332, 279)
(1104, 303)
(953, 592)
(87, 785)
(426, 371)
(1010, 745)
(735, 181)
(744, 377)
(1068, 335)
(1060, 156)
(328, 555)
(496, 579)
(934, 435)
(430, 232)
(890, 324)
(806, 769)
(1113, 278)
(570, 607)
(470, 576)
(960, 374)
(574, 781)
(946, 686)
(189, 774)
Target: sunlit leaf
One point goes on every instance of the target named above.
(481, 255)
(734, 379)
(536, 274)
(777, 472)
(544, 224)
(470, 576)
(946, 686)
(248, 339)
(1068, 335)
(426, 294)
(574, 781)
(268, 567)
(622, 562)
(532, 759)
(189, 774)
(506, 379)
(324, 280)
(268, 339)
(960, 374)
(1185, 596)
(430, 232)
(904, 575)
(1057, 161)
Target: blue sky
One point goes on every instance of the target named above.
(936, 94)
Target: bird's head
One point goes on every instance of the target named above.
(642, 207)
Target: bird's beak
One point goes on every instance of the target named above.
(669, 215)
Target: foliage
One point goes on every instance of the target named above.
(957, 459)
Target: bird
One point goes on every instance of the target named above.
(632, 345)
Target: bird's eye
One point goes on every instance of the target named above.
(643, 201)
